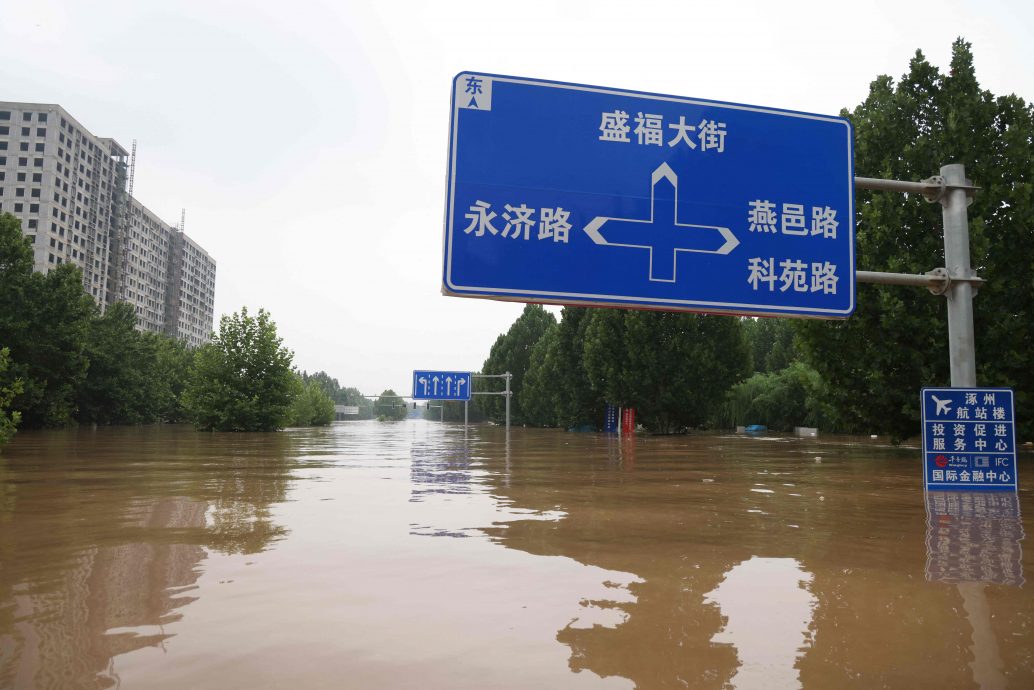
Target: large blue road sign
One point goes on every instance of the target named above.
(441, 385)
(969, 438)
(575, 194)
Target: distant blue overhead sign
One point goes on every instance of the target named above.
(441, 385)
(969, 438)
(585, 195)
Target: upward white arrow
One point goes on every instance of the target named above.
(448, 385)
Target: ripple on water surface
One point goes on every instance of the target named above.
(417, 554)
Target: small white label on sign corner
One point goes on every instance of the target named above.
(474, 92)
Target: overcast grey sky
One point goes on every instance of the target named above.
(307, 140)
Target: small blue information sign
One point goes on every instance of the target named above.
(969, 439)
(441, 385)
(574, 194)
(610, 422)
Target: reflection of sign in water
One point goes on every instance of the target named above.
(974, 537)
(768, 609)
(969, 438)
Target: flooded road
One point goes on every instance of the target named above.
(413, 555)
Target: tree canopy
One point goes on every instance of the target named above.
(512, 352)
(390, 407)
(44, 322)
(8, 419)
(312, 406)
(242, 380)
(877, 361)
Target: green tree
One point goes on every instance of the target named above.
(512, 352)
(673, 368)
(781, 400)
(390, 407)
(876, 362)
(242, 380)
(556, 389)
(312, 406)
(354, 397)
(771, 343)
(325, 381)
(8, 390)
(44, 321)
(539, 394)
(118, 387)
(171, 365)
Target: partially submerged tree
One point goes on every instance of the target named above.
(242, 380)
(312, 406)
(390, 407)
(8, 390)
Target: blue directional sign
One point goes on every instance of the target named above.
(969, 438)
(571, 194)
(441, 385)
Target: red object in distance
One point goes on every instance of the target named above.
(628, 420)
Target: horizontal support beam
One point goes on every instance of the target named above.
(896, 185)
(917, 279)
(932, 189)
(936, 280)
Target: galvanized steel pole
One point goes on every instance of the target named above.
(956, 280)
(961, 341)
(508, 375)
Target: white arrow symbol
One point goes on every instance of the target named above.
(448, 385)
(423, 380)
(662, 232)
(460, 382)
(435, 379)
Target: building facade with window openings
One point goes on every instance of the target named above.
(68, 188)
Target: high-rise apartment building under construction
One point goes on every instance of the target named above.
(72, 192)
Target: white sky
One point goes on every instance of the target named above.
(307, 140)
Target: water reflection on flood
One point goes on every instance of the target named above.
(419, 555)
(767, 612)
(101, 548)
(973, 539)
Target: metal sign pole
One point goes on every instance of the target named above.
(956, 280)
(465, 405)
(506, 392)
(508, 375)
(961, 345)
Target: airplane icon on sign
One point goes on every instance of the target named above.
(942, 405)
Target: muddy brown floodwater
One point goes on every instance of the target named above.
(414, 555)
